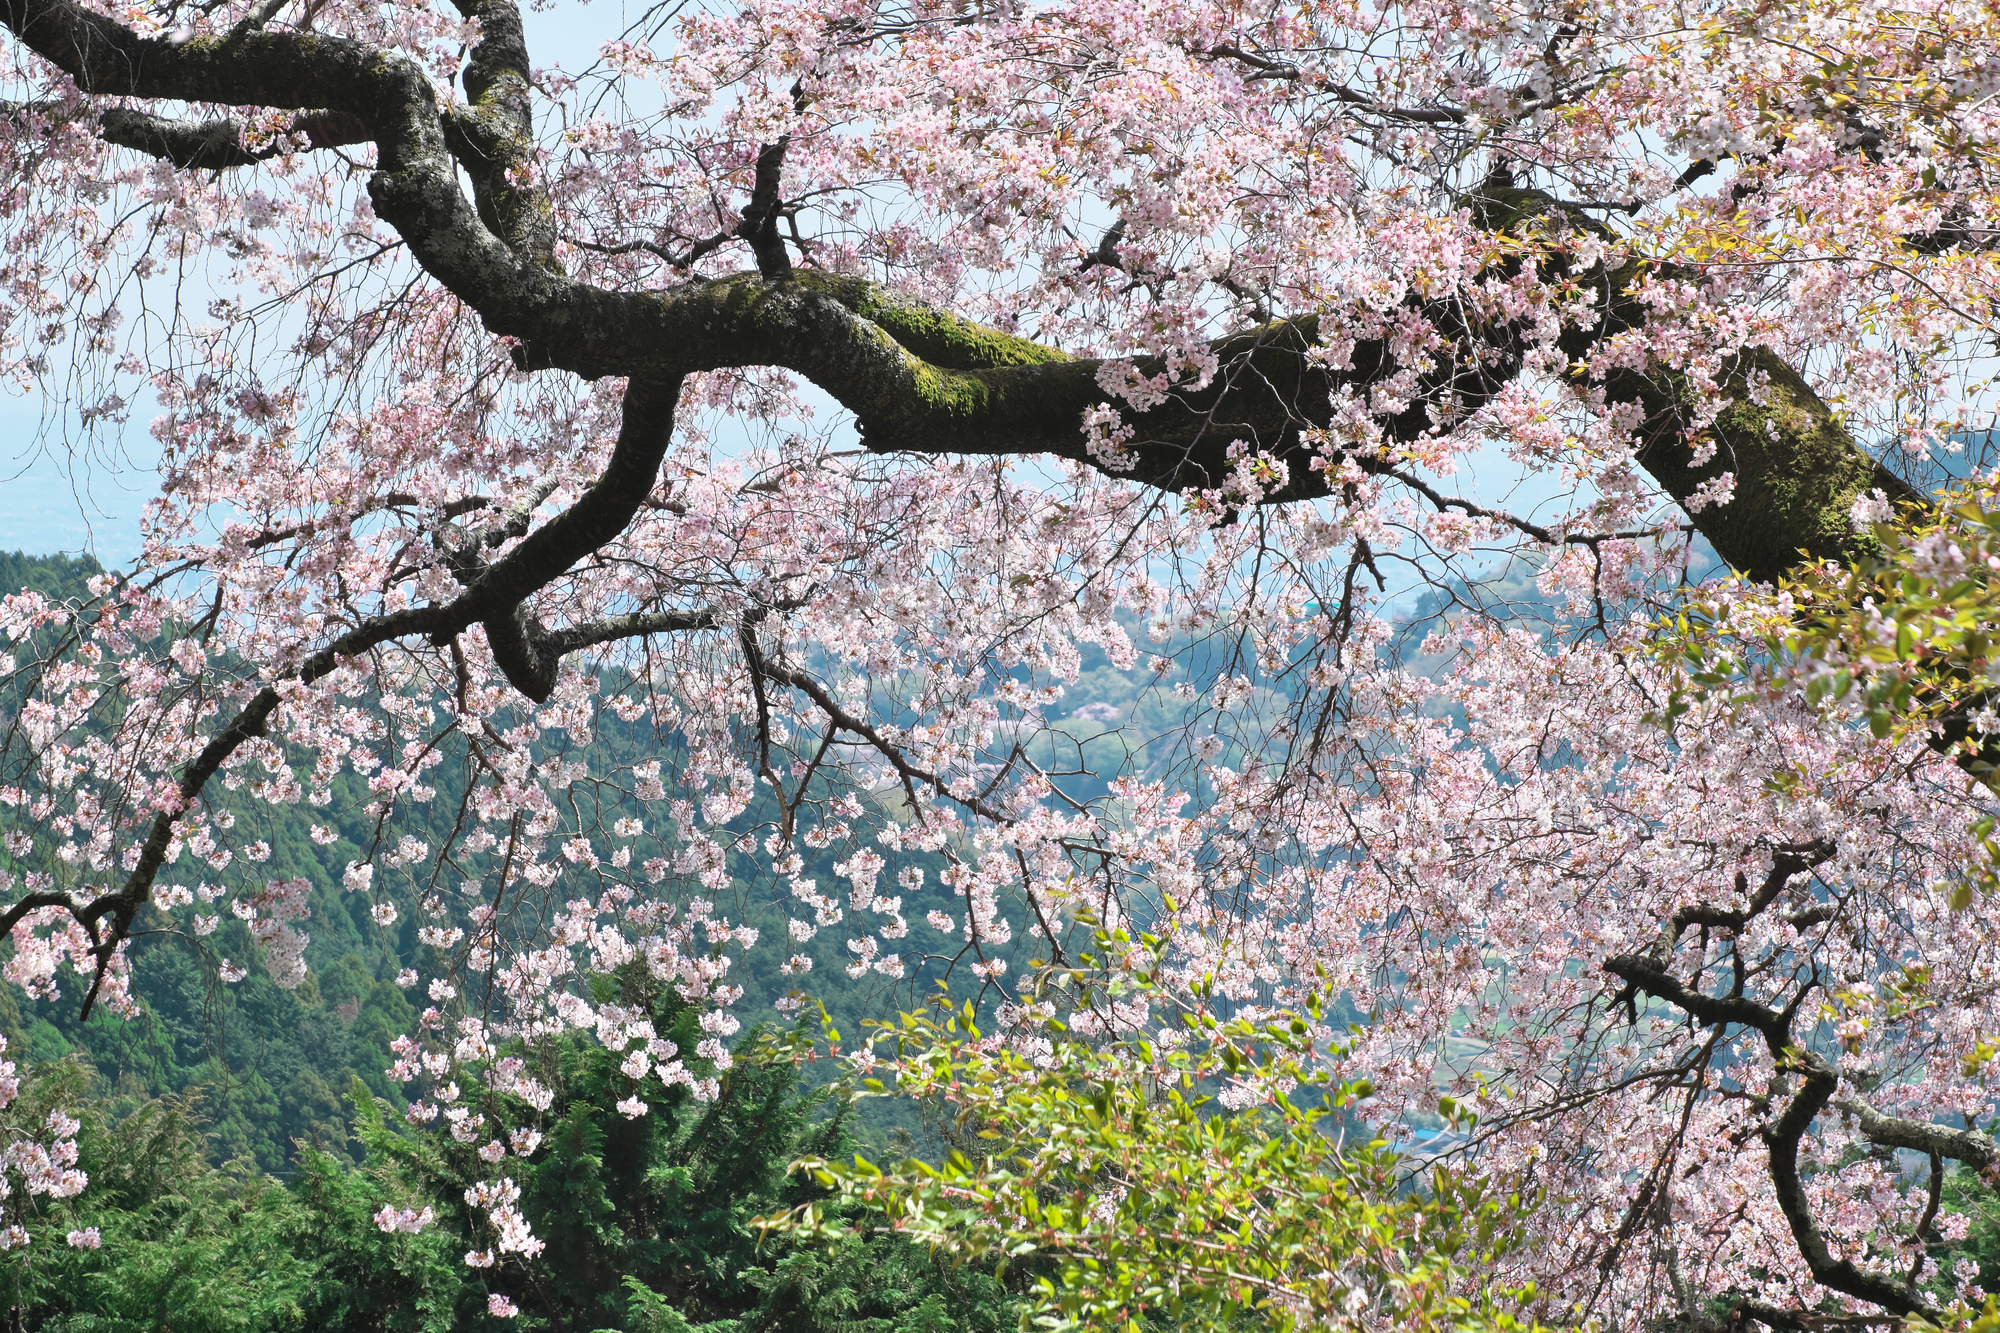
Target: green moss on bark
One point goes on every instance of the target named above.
(1797, 468)
(936, 336)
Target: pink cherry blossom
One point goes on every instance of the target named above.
(832, 403)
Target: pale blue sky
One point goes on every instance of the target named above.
(51, 500)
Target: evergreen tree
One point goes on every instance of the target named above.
(647, 1221)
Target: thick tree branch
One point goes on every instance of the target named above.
(29, 902)
(1782, 1138)
(203, 145)
(1649, 973)
(1969, 1146)
(1819, 1079)
(760, 216)
(641, 623)
(1804, 1321)
(528, 654)
(215, 144)
(1787, 862)
(493, 136)
(1642, 973)
(1797, 471)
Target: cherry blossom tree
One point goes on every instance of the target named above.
(1181, 333)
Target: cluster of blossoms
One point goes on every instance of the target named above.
(849, 689)
(39, 1162)
(271, 914)
(511, 1230)
(392, 1219)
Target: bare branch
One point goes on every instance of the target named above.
(1969, 1146)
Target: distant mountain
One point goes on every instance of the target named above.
(59, 576)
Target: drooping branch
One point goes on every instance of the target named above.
(1649, 973)
(1787, 862)
(493, 599)
(252, 720)
(1784, 1131)
(911, 775)
(1782, 1138)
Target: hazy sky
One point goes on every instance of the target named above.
(50, 501)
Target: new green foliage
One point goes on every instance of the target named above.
(1146, 1205)
(646, 1220)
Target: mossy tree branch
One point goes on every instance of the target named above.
(919, 379)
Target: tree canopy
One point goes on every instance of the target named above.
(816, 389)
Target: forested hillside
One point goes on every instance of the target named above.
(645, 1222)
(271, 1068)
